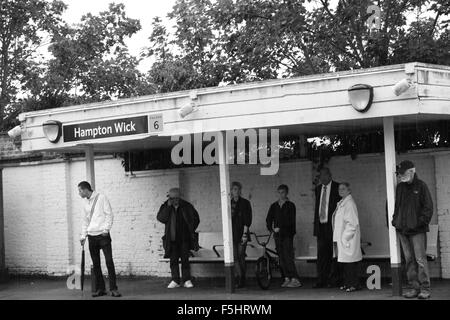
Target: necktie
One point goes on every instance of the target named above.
(323, 203)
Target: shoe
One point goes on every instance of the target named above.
(294, 283)
(343, 288)
(424, 295)
(411, 294)
(318, 286)
(173, 285)
(286, 282)
(351, 289)
(188, 284)
(98, 293)
(115, 294)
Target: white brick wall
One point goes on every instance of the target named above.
(443, 210)
(43, 209)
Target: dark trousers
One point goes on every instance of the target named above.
(239, 249)
(351, 274)
(180, 250)
(414, 248)
(285, 250)
(328, 270)
(97, 243)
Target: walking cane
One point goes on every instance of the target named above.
(82, 269)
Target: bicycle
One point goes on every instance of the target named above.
(266, 263)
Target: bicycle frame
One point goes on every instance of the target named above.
(266, 251)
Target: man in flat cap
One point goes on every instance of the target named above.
(412, 215)
(181, 221)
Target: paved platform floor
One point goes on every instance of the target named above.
(155, 289)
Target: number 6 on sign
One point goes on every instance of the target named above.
(156, 123)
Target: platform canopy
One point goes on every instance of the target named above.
(312, 105)
(352, 101)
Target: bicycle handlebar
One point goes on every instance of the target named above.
(262, 236)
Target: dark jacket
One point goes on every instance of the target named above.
(413, 207)
(283, 218)
(332, 203)
(241, 217)
(191, 218)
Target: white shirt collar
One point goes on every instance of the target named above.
(93, 195)
(328, 185)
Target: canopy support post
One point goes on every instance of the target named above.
(226, 212)
(391, 181)
(90, 165)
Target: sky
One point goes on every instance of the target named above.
(144, 10)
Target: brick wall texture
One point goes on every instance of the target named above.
(43, 210)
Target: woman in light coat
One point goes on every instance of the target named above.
(347, 238)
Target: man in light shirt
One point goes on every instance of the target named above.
(327, 197)
(97, 223)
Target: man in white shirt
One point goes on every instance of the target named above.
(97, 223)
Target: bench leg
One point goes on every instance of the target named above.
(229, 278)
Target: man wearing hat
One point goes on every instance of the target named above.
(412, 215)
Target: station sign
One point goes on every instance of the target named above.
(113, 128)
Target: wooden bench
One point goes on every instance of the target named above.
(211, 249)
(432, 250)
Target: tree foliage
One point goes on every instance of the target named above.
(23, 25)
(90, 62)
(234, 41)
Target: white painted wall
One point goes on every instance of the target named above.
(43, 217)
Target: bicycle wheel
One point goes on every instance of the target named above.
(263, 273)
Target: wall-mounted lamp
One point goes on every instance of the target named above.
(15, 132)
(189, 108)
(52, 130)
(403, 86)
(361, 97)
(186, 110)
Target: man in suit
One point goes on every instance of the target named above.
(327, 197)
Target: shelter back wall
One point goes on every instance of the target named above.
(43, 210)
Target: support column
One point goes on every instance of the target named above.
(90, 166)
(226, 211)
(391, 181)
(3, 271)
